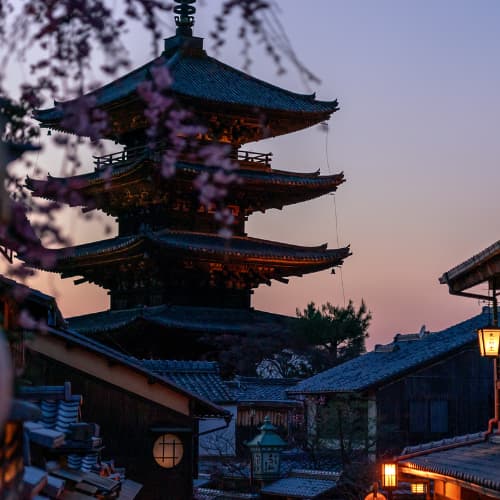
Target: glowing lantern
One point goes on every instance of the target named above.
(489, 341)
(389, 475)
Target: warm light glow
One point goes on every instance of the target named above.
(168, 451)
(389, 475)
(418, 488)
(489, 341)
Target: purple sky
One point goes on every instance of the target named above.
(416, 136)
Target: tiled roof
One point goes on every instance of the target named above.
(208, 244)
(253, 389)
(279, 177)
(199, 377)
(447, 442)
(299, 487)
(476, 463)
(383, 365)
(286, 259)
(244, 246)
(205, 78)
(203, 319)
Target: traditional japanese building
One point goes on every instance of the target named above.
(168, 272)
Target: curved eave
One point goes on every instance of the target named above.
(290, 187)
(204, 82)
(60, 189)
(480, 268)
(251, 250)
(202, 247)
(51, 117)
(278, 121)
(192, 318)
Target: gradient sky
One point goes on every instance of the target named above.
(417, 137)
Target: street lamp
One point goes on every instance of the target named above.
(489, 341)
(389, 477)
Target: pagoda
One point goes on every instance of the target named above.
(173, 281)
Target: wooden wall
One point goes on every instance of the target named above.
(450, 398)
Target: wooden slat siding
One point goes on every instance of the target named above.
(418, 416)
(464, 380)
(253, 417)
(438, 415)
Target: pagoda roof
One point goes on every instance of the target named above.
(197, 78)
(42, 187)
(209, 320)
(202, 246)
(279, 187)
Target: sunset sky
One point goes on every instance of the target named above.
(418, 84)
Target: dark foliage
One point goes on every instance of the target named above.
(329, 335)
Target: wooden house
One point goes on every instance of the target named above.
(461, 468)
(418, 388)
(151, 424)
(217, 436)
(465, 467)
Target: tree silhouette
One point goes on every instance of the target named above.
(329, 335)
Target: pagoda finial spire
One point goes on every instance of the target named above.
(184, 17)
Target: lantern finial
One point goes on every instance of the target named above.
(184, 17)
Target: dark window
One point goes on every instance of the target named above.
(418, 416)
(439, 415)
(428, 416)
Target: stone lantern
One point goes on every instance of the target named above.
(266, 452)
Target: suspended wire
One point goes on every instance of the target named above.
(277, 35)
(327, 134)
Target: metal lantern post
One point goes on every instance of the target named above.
(266, 450)
(489, 345)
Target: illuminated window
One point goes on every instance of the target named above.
(168, 450)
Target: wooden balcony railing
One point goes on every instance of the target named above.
(121, 157)
(244, 158)
(251, 158)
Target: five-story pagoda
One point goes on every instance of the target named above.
(168, 271)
